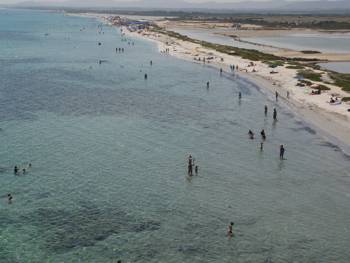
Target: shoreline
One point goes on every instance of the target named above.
(332, 122)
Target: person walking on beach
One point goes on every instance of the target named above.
(275, 114)
(287, 94)
(282, 150)
(276, 96)
(190, 165)
(265, 110)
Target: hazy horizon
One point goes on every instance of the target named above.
(323, 6)
(164, 1)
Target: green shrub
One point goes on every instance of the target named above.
(311, 75)
(341, 80)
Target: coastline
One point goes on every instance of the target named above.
(332, 122)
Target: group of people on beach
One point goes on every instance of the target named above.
(165, 51)
(233, 67)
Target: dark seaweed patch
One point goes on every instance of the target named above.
(190, 249)
(331, 146)
(64, 230)
(305, 128)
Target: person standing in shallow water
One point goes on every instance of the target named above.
(239, 95)
(230, 230)
(276, 96)
(208, 84)
(265, 110)
(251, 134)
(190, 166)
(275, 114)
(282, 151)
(263, 135)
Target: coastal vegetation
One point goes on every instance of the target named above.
(295, 67)
(310, 52)
(341, 80)
(311, 75)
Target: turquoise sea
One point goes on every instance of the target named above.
(109, 150)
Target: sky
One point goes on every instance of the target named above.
(191, 1)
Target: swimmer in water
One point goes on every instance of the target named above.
(263, 135)
(230, 230)
(9, 198)
(251, 134)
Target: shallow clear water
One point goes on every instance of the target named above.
(109, 152)
(341, 67)
(337, 43)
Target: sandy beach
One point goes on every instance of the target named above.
(332, 121)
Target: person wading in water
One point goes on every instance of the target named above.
(282, 150)
(190, 166)
(275, 114)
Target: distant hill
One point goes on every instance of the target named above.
(247, 6)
